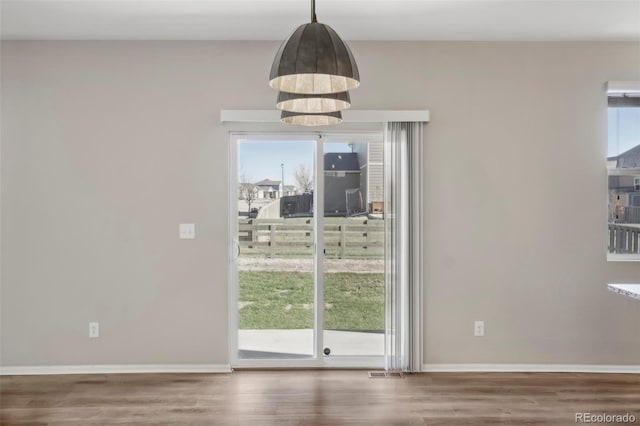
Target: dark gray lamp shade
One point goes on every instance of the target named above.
(331, 102)
(314, 60)
(306, 119)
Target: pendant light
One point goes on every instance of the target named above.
(314, 60)
(310, 119)
(331, 102)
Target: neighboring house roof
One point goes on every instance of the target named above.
(273, 185)
(629, 158)
(341, 161)
(268, 182)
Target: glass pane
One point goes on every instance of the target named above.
(623, 164)
(275, 234)
(353, 263)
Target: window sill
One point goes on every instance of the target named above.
(629, 290)
(612, 257)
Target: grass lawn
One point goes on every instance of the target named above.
(284, 300)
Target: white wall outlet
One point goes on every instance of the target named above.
(94, 330)
(478, 328)
(187, 231)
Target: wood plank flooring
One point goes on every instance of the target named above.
(313, 397)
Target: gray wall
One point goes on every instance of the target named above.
(107, 146)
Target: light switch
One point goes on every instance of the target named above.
(187, 231)
(94, 330)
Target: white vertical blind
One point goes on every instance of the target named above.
(403, 246)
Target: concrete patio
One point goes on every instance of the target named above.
(299, 343)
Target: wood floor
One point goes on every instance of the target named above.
(262, 398)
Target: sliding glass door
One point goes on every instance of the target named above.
(353, 261)
(307, 262)
(274, 246)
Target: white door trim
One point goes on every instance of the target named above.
(319, 360)
(232, 219)
(318, 244)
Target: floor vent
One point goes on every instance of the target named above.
(384, 374)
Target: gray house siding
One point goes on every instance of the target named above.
(371, 158)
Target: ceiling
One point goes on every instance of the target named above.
(541, 20)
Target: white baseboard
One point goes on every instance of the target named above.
(114, 369)
(226, 368)
(531, 368)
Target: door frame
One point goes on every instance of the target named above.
(318, 360)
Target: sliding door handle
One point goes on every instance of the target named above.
(237, 244)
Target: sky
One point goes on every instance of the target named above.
(624, 130)
(259, 160)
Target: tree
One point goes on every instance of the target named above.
(303, 177)
(247, 191)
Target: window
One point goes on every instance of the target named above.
(623, 165)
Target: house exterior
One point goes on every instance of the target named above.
(370, 157)
(290, 190)
(624, 188)
(268, 188)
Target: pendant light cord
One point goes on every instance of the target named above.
(313, 11)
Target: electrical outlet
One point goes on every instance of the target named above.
(94, 330)
(478, 328)
(187, 231)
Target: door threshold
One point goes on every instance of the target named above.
(333, 362)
